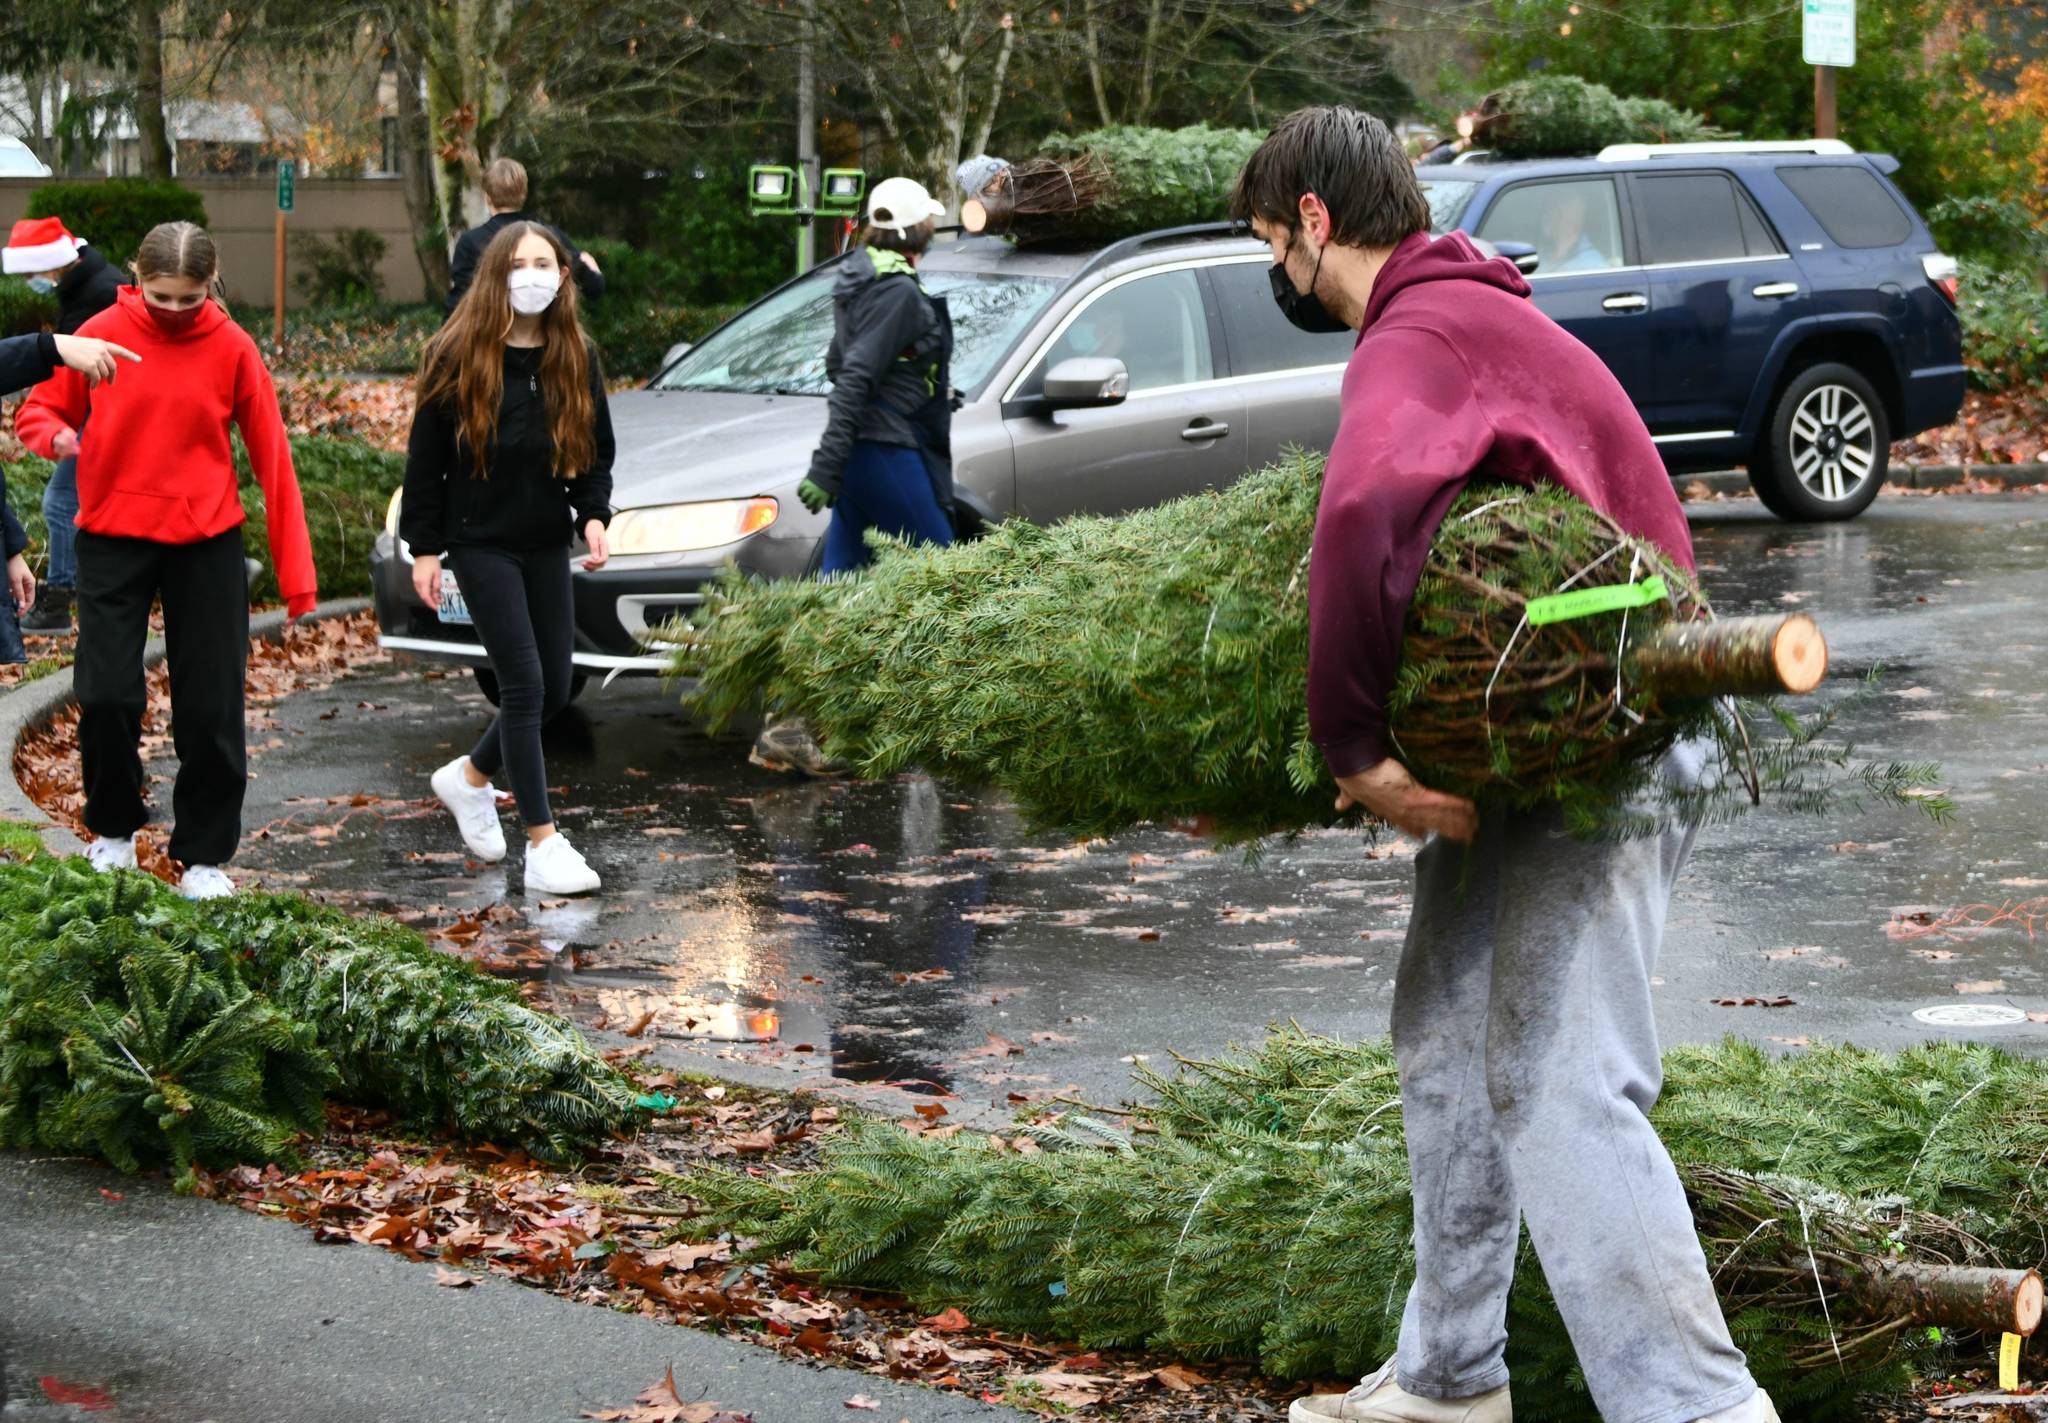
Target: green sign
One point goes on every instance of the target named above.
(1827, 32)
(286, 171)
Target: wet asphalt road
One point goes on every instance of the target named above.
(911, 933)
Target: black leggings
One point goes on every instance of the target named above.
(525, 618)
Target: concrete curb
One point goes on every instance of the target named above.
(1901, 476)
(33, 704)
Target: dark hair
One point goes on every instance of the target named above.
(911, 241)
(1348, 159)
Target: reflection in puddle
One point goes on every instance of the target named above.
(643, 1014)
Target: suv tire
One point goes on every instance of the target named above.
(1826, 447)
(487, 683)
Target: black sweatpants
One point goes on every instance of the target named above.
(525, 618)
(205, 592)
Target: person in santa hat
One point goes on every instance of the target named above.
(59, 264)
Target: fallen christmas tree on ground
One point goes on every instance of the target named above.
(1844, 1198)
(145, 1028)
(1109, 671)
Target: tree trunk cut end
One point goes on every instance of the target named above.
(1799, 653)
(2026, 1306)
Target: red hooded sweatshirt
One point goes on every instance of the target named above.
(1456, 375)
(155, 462)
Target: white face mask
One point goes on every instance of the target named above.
(533, 291)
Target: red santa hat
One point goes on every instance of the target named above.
(39, 244)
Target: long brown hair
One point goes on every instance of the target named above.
(465, 362)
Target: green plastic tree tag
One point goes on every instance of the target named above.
(1584, 602)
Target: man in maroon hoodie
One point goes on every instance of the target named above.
(1522, 1019)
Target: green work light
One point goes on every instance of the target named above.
(771, 186)
(843, 189)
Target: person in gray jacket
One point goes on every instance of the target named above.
(885, 459)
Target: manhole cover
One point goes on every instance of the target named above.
(1971, 1015)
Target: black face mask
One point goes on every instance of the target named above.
(1304, 309)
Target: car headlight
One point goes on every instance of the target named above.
(391, 514)
(681, 528)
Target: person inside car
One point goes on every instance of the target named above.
(1567, 245)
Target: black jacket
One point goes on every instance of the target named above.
(86, 290)
(24, 361)
(520, 503)
(890, 361)
(469, 250)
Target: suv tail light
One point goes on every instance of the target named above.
(1942, 272)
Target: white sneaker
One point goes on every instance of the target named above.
(475, 809)
(205, 882)
(107, 853)
(554, 867)
(1379, 1399)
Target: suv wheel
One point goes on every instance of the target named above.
(1826, 448)
(487, 683)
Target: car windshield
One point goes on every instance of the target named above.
(778, 347)
(1448, 199)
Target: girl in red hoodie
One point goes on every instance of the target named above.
(159, 518)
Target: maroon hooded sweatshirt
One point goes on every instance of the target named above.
(1456, 375)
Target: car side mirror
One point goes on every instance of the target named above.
(1522, 254)
(675, 353)
(1086, 383)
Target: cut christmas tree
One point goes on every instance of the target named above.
(1563, 116)
(1110, 671)
(1845, 1200)
(146, 1028)
(1112, 182)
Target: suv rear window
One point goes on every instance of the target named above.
(1698, 217)
(1850, 204)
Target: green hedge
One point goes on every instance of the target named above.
(345, 484)
(2005, 328)
(115, 214)
(333, 340)
(387, 340)
(23, 311)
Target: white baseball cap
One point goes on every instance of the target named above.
(899, 204)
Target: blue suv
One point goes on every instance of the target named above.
(1778, 305)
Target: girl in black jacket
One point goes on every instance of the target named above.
(510, 458)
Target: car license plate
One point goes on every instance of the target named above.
(454, 608)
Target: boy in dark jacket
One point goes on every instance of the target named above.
(505, 191)
(84, 283)
(1522, 1019)
(24, 361)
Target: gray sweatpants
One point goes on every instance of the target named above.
(1528, 1059)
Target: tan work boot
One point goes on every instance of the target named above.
(1379, 1399)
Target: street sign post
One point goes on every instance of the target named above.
(287, 173)
(1827, 41)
